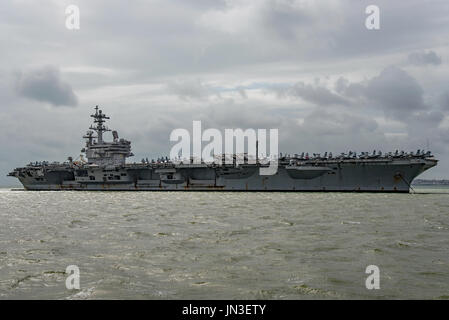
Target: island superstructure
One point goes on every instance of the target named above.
(106, 169)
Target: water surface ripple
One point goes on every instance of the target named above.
(183, 245)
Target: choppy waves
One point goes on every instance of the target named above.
(173, 245)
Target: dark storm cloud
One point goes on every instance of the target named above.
(444, 101)
(338, 123)
(424, 58)
(316, 94)
(396, 92)
(190, 89)
(284, 19)
(403, 25)
(45, 85)
(393, 91)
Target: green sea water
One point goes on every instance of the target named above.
(182, 245)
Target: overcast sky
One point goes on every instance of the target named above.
(309, 68)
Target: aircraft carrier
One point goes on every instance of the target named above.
(106, 169)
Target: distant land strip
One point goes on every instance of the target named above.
(421, 182)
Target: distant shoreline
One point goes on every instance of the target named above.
(430, 182)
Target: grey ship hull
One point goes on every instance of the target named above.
(106, 169)
(358, 175)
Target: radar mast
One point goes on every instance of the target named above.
(99, 119)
